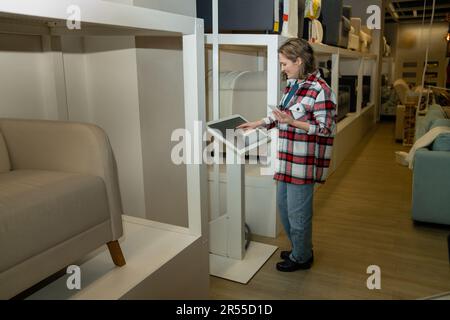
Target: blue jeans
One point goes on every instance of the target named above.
(295, 203)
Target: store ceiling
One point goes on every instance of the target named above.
(407, 11)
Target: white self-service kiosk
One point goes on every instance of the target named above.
(229, 257)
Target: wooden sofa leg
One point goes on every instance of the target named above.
(116, 253)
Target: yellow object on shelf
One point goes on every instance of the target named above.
(276, 26)
(312, 9)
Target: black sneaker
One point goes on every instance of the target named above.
(285, 255)
(288, 265)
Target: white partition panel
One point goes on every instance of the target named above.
(111, 63)
(20, 76)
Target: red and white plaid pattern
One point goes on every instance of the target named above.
(304, 157)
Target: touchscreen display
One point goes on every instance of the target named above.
(239, 139)
(222, 126)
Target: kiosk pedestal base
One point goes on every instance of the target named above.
(241, 270)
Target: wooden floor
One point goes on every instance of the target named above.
(361, 218)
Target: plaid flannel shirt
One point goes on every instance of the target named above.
(304, 157)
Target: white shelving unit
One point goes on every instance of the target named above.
(152, 249)
(261, 211)
(262, 223)
(228, 257)
(358, 59)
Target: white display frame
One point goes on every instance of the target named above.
(100, 14)
(102, 17)
(99, 18)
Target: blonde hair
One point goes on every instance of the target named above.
(295, 48)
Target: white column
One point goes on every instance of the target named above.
(194, 108)
(215, 190)
(335, 75)
(273, 93)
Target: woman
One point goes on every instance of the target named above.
(306, 119)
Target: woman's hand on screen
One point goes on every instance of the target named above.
(249, 125)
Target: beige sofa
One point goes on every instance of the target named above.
(59, 199)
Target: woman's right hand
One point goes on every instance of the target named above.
(250, 125)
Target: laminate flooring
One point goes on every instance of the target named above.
(362, 217)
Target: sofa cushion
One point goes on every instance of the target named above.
(440, 123)
(441, 143)
(41, 209)
(5, 164)
(424, 123)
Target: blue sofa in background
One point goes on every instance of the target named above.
(431, 172)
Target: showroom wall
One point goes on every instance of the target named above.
(20, 77)
(160, 96)
(161, 103)
(411, 45)
(134, 88)
(110, 81)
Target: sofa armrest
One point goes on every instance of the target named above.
(68, 147)
(431, 185)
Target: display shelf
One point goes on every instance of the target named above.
(162, 246)
(346, 121)
(367, 108)
(144, 256)
(351, 117)
(241, 41)
(267, 223)
(324, 49)
(97, 13)
(102, 15)
(321, 48)
(346, 53)
(256, 42)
